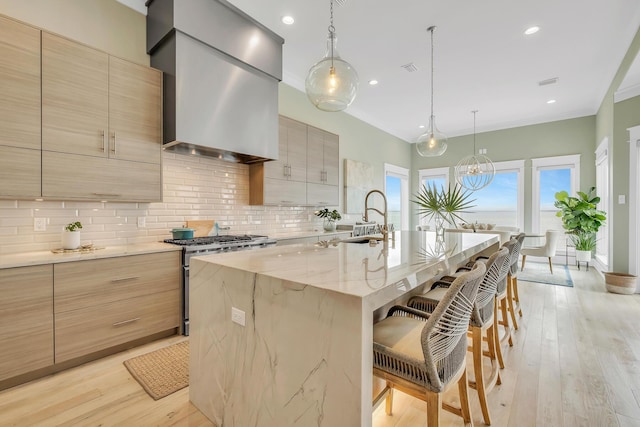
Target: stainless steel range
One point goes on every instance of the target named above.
(210, 245)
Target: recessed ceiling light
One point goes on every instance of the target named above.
(551, 101)
(421, 126)
(531, 30)
(373, 82)
(288, 20)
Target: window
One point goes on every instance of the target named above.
(396, 189)
(435, 176)
(602, 189)
(438, 177)
(502, 201)
(548, 176)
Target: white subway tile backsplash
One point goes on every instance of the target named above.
(193, 188)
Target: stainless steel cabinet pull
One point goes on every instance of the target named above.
(107, 194)
(115, 142)
(124, 279)
(284, 170)
(104, 140)
(124, 322)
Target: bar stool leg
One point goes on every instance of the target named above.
(510, 301)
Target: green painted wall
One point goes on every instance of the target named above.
(358, 140)
(612, 122)
(573, 136)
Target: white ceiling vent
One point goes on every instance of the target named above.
(340, 2)
(551, 81)
(410, 67)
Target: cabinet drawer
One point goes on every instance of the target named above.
(26, 319)
(84, 284)
(91, 329)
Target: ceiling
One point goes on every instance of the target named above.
(482, 59)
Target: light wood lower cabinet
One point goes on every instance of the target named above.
(91, 329)
(106, 302)
(26, 319)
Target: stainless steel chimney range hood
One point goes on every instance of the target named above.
(221, 73)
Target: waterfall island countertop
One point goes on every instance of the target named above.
(304, 354)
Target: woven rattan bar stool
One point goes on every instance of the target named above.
(513, 298)
(424, 354)
(481, 324)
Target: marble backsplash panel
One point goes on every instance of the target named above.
(193, 188)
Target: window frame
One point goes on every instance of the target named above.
(432, 173)
(402, 174)
(516, 166)
(603, 189)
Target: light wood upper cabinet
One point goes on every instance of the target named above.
(19, 110)
(292, 156)
(306, 172)
(135, 112)
(101, 125)
(19, 85)
(322, 170)
(322, 157)
(75, 97)
(26, 319)
(77, 177)
(20, 171)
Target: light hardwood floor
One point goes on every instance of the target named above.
(575, 362)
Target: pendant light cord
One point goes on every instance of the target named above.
(431, 29)
(474, 131)
(332, 29)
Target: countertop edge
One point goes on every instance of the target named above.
(47, 257)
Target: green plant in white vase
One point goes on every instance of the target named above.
(443, 206)
(330, 218)
(582, 219)
(71, 235)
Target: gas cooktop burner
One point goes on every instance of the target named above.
(214, 239)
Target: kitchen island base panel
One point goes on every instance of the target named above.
(304, 355)
(297, 360)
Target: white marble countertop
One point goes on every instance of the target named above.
(283, 235)
(377, 273)
(48, 257)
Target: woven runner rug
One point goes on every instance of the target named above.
(539, 273)
(163, 371)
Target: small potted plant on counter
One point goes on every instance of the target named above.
(330, 218)
(71, 235)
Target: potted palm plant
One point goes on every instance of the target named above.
(443, 206)
(581, 219)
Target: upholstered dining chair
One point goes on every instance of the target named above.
(424, 354)
(547, 250)
(481, 324)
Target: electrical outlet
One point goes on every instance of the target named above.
(237, 316)
(142, 222)
(39, 224)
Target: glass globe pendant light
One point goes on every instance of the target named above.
(332, 82)
(476, 171)
(432, 143)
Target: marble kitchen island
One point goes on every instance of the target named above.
(304, 354)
